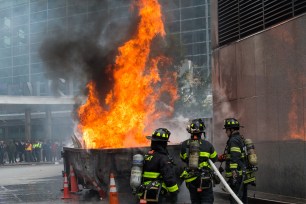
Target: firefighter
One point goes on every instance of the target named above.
(235, 161)
(159, 183)
(198, 174)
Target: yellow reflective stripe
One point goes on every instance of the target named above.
(163, 185)
(173, 188)
(203, 164)
(190, 179)
(228, 174)
(184, 174)
(228, 156)
(213, 155)
(233, 166)
(249, 180)
(150, 174)
(204, 154)
(183, 156)
(235, 149)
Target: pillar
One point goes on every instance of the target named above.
(27, 124)
(70, 86)
(48, 124)
(6, 133)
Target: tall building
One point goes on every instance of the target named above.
(26, 24)
(258, 76)
(188, 21)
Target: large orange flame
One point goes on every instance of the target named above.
(138, 86)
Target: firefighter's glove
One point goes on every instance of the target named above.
(221, 169)
(221, 157)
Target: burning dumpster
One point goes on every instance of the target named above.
(93, 166)
(116, 117)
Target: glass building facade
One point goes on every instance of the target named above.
(24, 26)
(188, 21)
(26, 23)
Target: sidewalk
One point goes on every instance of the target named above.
(29, 163)
(260, 197)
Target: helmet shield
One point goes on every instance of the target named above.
(160, 134)
(231, 123)
(196, 126)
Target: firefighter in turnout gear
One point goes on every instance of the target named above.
(159, 183)
(198, 174)
(235, 160)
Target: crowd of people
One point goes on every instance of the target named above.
(13, 151)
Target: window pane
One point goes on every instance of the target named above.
(20, 50)
(20, 70)
(193, 12)
(5, 72)
(186, 3)
(37, 68)
(39, 16)
(195, 49)
(5, 62)
(38, 6)
(5, 52)
(173, 15)
(38, 27)
(35, 47)
(36, 38)
(194, 24)
(56, 3)
(20, 60)
(35, 57)
(20, 20)
(20, 10)
(193, 36)
(57, 13)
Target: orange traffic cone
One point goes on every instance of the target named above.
(73, 181)
(66, 189)
(113, 194)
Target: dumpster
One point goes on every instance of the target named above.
(92, 167)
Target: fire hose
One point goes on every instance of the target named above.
(224, 182)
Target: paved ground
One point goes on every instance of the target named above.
(42, 183)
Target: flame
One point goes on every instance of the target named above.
(133, 104)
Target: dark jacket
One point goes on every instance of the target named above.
(206, 151)
(158, 166)
(235, 156)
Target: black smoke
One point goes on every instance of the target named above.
(84, 48)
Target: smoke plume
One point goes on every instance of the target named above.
(85, 48)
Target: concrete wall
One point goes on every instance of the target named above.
(261, 80)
